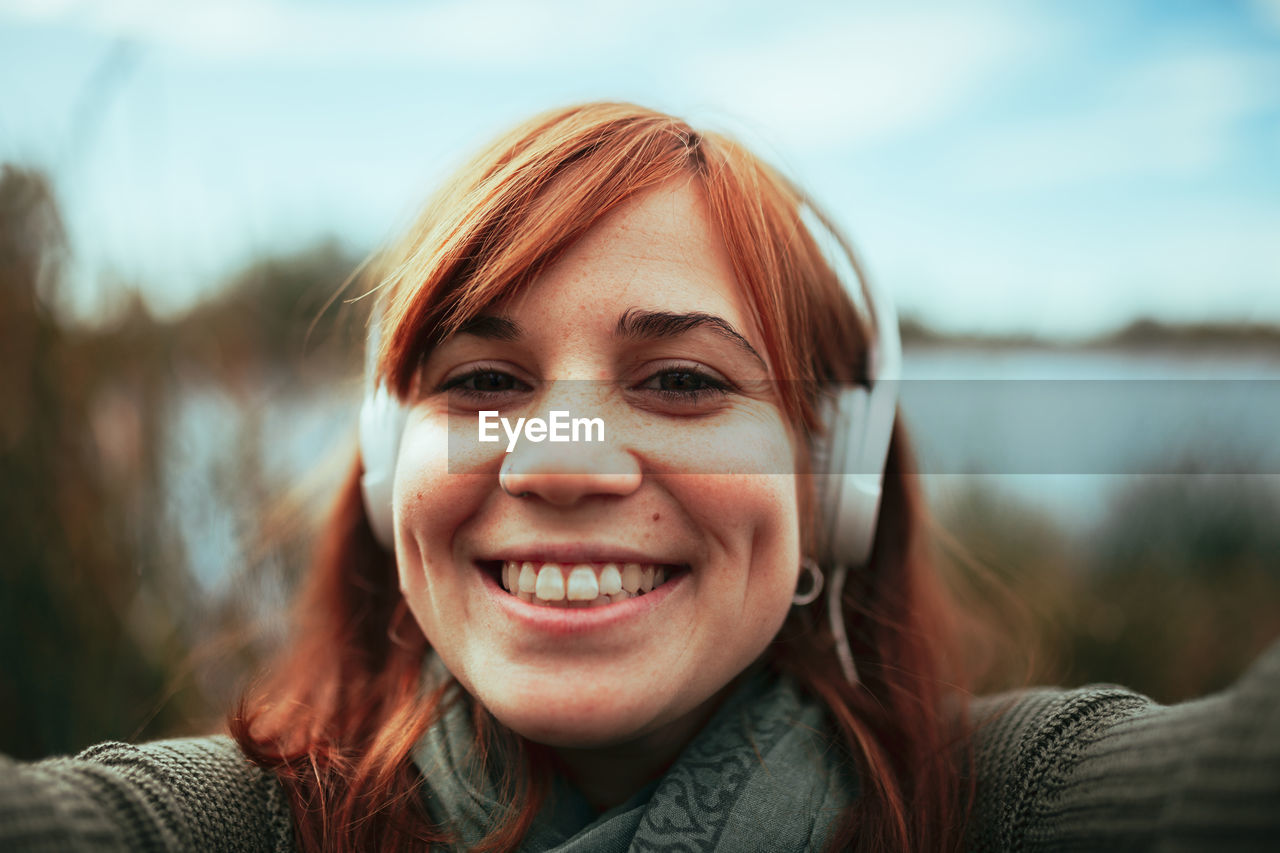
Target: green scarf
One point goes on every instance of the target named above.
(759, 776)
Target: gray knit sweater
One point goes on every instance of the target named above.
(1094, 769)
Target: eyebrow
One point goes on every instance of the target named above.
(635, 323)
(491, 327)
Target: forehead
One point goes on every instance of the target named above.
(657, 251)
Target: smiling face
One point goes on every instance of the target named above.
(641, 324)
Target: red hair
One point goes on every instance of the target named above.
(338, 719)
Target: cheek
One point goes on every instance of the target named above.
(430, 505)
(775, 563)
(751, 515)
(752, 524)
(750, 439)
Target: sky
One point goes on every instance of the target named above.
(1058, 167)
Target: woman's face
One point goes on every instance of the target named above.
(642, 325)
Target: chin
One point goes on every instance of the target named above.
(580, 719)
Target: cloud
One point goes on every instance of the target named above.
(1213, 260)
(1171, 116)
(811, 75)
(867, 74)
(1269, 12)
(490, 34)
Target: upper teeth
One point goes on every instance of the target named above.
(580, 584)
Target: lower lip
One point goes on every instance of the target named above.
(578, 620)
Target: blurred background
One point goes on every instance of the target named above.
(1079, 190)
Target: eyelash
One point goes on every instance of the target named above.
(456, 385)
(709, 385)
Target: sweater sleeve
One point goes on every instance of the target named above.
(1102, 768)
(193, 794)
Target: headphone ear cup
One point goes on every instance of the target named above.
(382, 420)
(846, 510)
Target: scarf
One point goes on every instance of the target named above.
(761, 775)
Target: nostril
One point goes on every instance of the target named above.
(503, 483)
(566, 474)
(563, 489)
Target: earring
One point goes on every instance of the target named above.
(816, 579)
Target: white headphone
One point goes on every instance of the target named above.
(851, 455)
(858, 420)
(382, 420)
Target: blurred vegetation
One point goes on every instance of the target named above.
(1186, 569)
(100, 615)
(72, 671)
(1173, 594)
(1142, 333)
(109, 630)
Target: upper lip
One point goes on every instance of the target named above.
(576, 552)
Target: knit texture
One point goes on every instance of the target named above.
(1102, 768)
(198, 794)
(1094, 769)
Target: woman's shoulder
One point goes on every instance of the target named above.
(1102, 767)
(196, 793)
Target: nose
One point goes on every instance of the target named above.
(564, 474)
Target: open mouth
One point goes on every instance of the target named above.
(580, 584)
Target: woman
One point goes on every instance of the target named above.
(663, 278)
(618, 641)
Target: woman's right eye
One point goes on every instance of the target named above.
(484, 383)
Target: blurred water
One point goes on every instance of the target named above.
(229, 456)
(951, 362)
(1062, 430)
